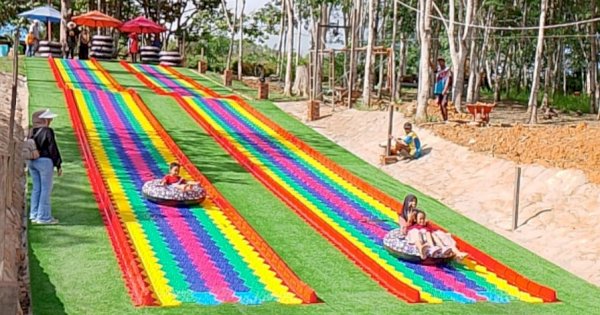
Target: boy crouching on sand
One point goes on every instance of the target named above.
(409, 145)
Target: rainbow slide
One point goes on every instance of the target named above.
(206, 254)
(347, 211)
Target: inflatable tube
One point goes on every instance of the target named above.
(149, 48)
(46, 49)
(170, 53)
(172, 196)
(170, 59)
(152, 54)
(50, 44)
(396, 243)
(102, 49)
(102, 38)
(169, 64)
(100, 55)
(102, 44)
(46, 55)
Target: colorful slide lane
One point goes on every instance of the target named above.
(353, 215)
(203, 254)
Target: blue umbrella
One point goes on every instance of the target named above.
(44, 13)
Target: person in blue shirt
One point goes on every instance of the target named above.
(442, 86)
(409, 144)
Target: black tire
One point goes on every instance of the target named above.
(101, 55)
(50, 44)
(102, 49)
(170, 59)
(170, 64)
(149, 48)
(170, 53)
(102, 38)
(46, 49)
(102, 44)
(46, 55)
(151, 54)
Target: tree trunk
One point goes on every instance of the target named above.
(287, 88)
(593, 63)
(538, 64)
(240, 46)
(381, 41)
(65, 12)
(459, 55)
(299, 38)
(281, 39)
(368, 76)
(473, 67)
(231, 26)
(393, 56)
(424, 67)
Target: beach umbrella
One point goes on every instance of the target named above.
(141, 25)
(96, 19)
(44, 13)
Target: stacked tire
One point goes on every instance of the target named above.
(49, 49)
(170, 58)
(102, 47)
(150, 54)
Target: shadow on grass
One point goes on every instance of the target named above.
(45, 299)
(222, 168)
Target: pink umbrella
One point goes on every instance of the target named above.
(141, 25)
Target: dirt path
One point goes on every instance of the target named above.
(558, 206)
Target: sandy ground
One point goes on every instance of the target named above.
(558, 206)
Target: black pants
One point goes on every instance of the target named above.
(83, 51)
(71, 53)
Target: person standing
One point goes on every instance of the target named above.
(84, 41)
(41, 169)
(132, 45)
(443, 83)
(72, 36)
(29, 43)
(35, 30)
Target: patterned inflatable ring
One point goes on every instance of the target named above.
(172, 196)
(397, 245)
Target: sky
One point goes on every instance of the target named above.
(272, 41)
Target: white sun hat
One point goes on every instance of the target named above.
(47, 114)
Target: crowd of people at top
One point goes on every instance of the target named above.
(78, 40)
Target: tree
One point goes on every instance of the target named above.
(424, 31)
(538, 65)
(287, 89)
(368, 76)
(241, 41)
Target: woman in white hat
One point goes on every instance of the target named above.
(41, 169)
(72, 37)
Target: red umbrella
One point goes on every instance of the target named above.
(141, 25)
(96, 19)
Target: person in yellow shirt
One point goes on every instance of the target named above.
(409, 144)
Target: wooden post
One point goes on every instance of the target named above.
(227, 77)
(13, 100)
(331, 78)
(313, 110)
(515, 220)
(202, 66)
(263, 90)
(390, 130)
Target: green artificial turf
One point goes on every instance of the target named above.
(74, 271)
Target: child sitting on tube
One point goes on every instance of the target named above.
(174, 179)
